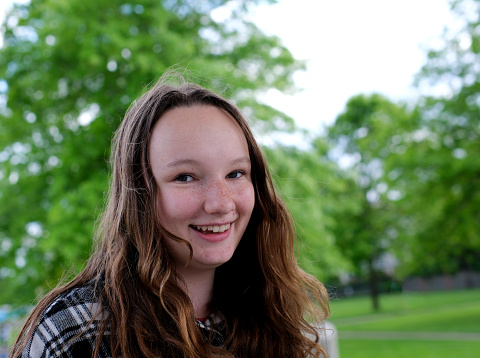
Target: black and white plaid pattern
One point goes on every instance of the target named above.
(64, 331)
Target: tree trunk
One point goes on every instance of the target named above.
(373, 286)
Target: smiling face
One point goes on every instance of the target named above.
(201, 165)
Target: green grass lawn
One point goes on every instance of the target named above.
(408, 349)
(445, 311)
(401, 302)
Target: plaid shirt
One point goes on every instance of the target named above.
(64, 330)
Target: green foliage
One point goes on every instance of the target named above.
(363, 216)
(68, 71)
(383, 180)
(438, 173)
(304, 177)
(413, 175)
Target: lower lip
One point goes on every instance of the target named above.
(214, 237)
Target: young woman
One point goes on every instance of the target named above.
(195, 252)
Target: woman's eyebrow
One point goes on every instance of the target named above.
(242, 160)
(181, 162)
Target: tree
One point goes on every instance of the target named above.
(438, 173)
(304, 177)
(68, 71)
(365, 135)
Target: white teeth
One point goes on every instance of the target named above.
(214, 228)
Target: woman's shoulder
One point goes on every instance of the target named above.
(69, 325)
(80, 303)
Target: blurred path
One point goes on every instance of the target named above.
(421, 336)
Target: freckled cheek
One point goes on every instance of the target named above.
(177, 206)
(246, 199)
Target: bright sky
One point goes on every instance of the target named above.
(351, 47)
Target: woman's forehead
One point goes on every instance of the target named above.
(193, 132)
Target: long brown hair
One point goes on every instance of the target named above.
(270, 305)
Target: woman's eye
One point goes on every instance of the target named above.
(184, 178)
(235, 174)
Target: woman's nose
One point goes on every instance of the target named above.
(218, 198)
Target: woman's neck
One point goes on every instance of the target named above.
(199, 287)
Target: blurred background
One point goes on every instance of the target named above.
(369, 113)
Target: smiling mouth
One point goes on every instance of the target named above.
(216, 229)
